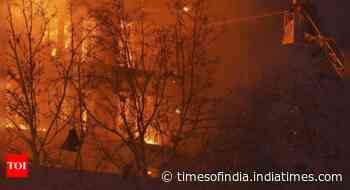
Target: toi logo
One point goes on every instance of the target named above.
(16, 166)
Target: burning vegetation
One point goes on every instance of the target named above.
(97, 87)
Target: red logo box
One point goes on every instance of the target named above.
(16, 166)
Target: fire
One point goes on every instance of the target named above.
(67, 34)
(186, 9)
(85, 119)
(152, 136)
(151, 141)
(54, 52)
(178, 111)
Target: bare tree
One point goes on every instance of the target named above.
(38, 80)
(82, 42)
(153, 82)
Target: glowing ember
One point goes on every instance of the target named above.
(54, 52)
(85, 119)
(42, 130)
(186, 9)
(84, 116)
(23, 127)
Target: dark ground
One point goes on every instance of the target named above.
(57, 179)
